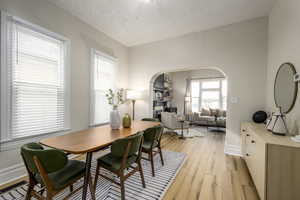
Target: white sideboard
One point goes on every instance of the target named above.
(273, 162)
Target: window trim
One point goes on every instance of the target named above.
(6, 142)
(94, 52)
(200, 80)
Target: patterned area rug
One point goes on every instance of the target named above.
(155, 186)
(193, 131)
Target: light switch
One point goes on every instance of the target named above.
(233, 99)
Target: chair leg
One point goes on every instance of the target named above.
(29, 190)
(122, 188)
(161, 156)
(152, 163)
(92, 190)
(71, 188)
(96, 176)
(141, 173)
(42, 192)
(49, 196)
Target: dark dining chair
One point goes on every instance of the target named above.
(152, 144)
(52, 169)
(124, 153)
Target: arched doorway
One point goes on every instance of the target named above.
(191, 91)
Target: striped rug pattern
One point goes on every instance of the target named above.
(155, 186)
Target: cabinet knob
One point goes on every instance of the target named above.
(244, 130)
(252, 141)
(247, 154)
(247, 135)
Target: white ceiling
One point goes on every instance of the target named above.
(134, 22)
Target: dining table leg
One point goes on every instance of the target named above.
(87, 176)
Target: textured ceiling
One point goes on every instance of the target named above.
(134, 22)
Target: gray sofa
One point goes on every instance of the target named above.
(210, 118)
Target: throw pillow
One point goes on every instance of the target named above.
(223, 113)
(214, 112)
(205, 112)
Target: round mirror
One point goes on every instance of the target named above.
(285, 88)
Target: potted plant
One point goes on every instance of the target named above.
(115, 99)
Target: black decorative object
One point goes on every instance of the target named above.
(259, 116)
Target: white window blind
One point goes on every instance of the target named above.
(36, 87)
(103, 73)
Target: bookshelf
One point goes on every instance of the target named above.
(162, 90)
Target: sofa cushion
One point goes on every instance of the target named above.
(206, 118)
(205, 112)
(221, 121)
(222, 113)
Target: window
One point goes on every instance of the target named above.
(34, 89)
(103, 78)
(195, 95)
(209, 94)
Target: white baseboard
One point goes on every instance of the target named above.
(12, 173)
(234, 150)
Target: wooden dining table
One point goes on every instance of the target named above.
(91, 140)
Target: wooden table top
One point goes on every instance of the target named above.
(270, 138)
(94, 138)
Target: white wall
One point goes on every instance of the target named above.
(83, 37)
(284, 46)
(239, 50)
(179, 84)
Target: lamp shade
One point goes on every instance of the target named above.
(277, 123)
(133, 94)
(280, 126)
(187, 98)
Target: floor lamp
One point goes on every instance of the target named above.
(133, 95)
(187, 100)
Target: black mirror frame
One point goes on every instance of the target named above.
(296, 86)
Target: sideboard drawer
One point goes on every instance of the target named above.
(254, 152)
(257, 163)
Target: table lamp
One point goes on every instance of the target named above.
(133, 95)
(277, 124)
(187, 100)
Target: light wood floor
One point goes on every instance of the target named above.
(208, 174)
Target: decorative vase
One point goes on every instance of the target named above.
(126, 121)
(115, 120)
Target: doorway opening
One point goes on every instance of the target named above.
(198, 96)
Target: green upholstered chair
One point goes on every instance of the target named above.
(152, 139)
(124, 153)
(150, 119)
(52, 169)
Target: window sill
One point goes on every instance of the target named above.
(17, 143)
